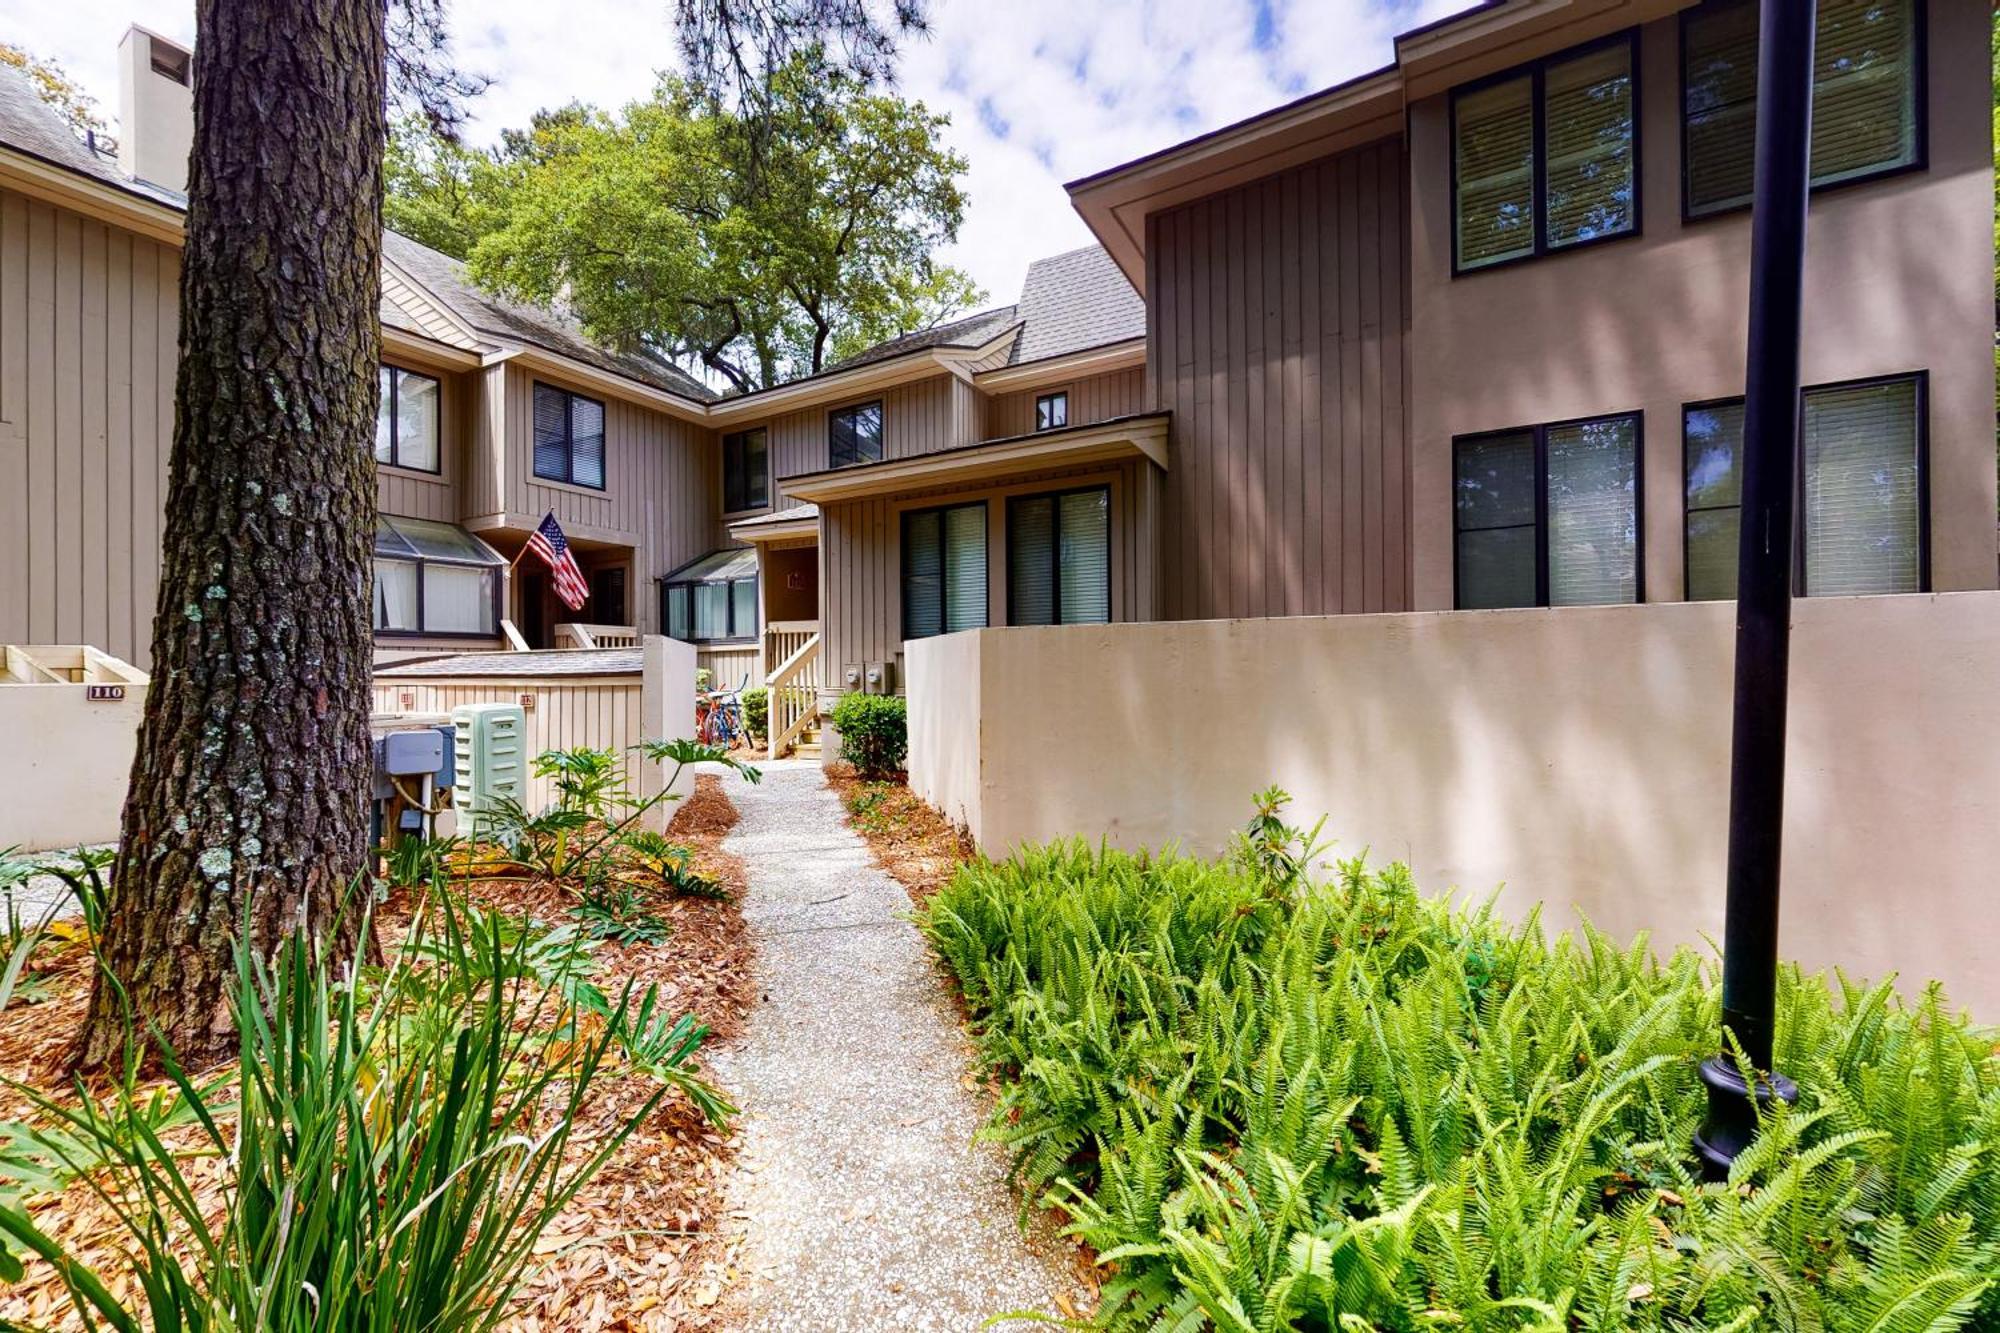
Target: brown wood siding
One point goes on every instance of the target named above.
(89, 318)
(1275, 337)
(1116, 393)
(922, 417)
(662, 484)
(602, 712)
(861, 559)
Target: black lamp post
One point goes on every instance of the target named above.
(1764, 583)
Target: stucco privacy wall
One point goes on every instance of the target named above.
(1580, 757)
(613, 711)
(1897, 274)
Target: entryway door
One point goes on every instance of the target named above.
(607, 596)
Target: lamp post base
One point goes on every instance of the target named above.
(1732, 1115)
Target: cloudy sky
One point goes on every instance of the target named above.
(1039, 91)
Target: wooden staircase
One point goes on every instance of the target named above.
(793, 682)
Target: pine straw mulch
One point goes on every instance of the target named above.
(641, 1249)
(919, 847)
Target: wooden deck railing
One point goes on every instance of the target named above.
(793, 681)
(597, 636)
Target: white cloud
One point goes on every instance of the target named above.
(1039, 91)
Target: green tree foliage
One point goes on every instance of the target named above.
(755, 248)
(431, 190)
(55, 87)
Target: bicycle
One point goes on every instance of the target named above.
(721, 721)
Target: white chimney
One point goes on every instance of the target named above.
(155, 108)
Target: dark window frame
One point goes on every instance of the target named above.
(1534, 71)
(1057, 396)
(420, 561)
(758, 497)
(395, 458)
(736, 633)
(1921, 379)
(944, 579)
(849, 410)
(1055, 553)
(1540, 430)
(1919, 73)
(570, 399)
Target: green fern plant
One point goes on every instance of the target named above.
(1268, 1102)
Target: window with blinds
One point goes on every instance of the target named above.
(1860, 521)
(1867, 105)
(569, 437)
(1547, 515)
(1546, 157)
(944, 570)
(1059, 558)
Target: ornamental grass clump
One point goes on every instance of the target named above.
(1341, 1105)
(393, 1141)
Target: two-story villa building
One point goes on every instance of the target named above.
(1465, 332)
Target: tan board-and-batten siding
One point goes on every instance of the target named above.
(569, 712)
(1275, 331)
(662, 482)
(89, 320)
(861, 558)
(1092, 398)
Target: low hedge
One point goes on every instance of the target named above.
(757, 712)
(1328, 1106)
(874, 733)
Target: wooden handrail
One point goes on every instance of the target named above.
(792, 697)
(596, 636)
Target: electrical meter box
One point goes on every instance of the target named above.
(490, 760)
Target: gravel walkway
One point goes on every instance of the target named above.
(864, 1203)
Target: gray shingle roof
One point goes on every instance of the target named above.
(968, 331)
(1074, 301)
(31, 125)
(547, 662)
(28, 124)
(554, 330)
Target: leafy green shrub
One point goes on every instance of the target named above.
(1349, 1107)
(874, 733)
(757, 711)
(610, 909)
(394, 1146)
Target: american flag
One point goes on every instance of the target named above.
(549, 543)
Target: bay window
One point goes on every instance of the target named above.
(435, 579)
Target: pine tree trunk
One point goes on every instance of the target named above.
(247, 807)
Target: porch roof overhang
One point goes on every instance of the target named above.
(786, 525)
(1115, 441)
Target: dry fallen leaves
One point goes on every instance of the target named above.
(642, 1249)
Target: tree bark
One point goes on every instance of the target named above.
(247, 812)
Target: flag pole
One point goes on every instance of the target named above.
(524, 545)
